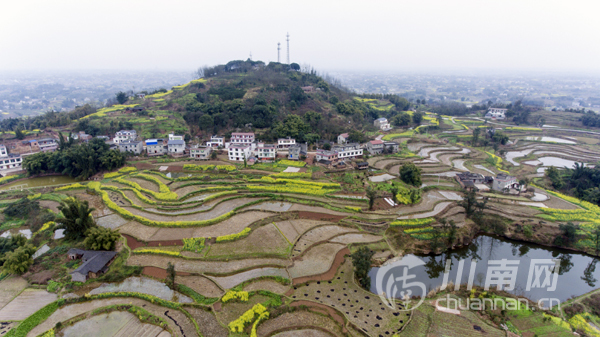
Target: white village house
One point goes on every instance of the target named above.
(496, 113)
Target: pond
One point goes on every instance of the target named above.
(550, 139)
(577, 273)
(38, 182)
(556, 162)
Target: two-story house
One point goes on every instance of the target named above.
(124, 136)
(10, 161)
(242, 138)
(133, 146)
(237, 152)
(496, 113)
(284, 143)
(200, 152)
(343, 138)
(382, 124)
(47, 144)
(391, 146)
(327, 155)
(155, 147)
(295, 152)
(216, 141)
(375, 146)
(504, 181)
(176, 147)
(266, 152)
(348, 151)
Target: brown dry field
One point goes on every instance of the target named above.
(218, 210)
(95, 202)
(198, 267)
(207, 322)
(292, 229)
(318, 234)
(316, 260)
(25, 304)
(299, 320)
(202, 285)
(272, 286)
(144, 184)
(73, 310)
(263, 240)
(361, 307)
(11, 287)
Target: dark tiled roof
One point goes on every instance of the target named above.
(93, 261)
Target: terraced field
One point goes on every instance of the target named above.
(282, 242)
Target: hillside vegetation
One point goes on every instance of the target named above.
(241, 95)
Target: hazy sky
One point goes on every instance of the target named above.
(330, 35)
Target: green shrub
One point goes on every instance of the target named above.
(53, 286)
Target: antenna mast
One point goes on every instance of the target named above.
(288, 48)
(278, 48)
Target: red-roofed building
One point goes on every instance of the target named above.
(246, 138)
(343, 138)
(375, 146)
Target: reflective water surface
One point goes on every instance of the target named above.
(577, 272)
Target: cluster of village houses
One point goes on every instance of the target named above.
(242, 146)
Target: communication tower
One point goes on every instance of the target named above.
(278, 48)
(288, 48)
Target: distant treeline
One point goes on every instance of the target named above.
(49, 119)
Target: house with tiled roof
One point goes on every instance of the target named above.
(94, 263)
(375, 146)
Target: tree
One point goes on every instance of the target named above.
(295, 66)
(77, 218)
(401, 119)
(394, 191)
(99, 238)
(554, 175)
(371, 194)
(410, 174)
(595, 237)
(417, 117)
(469, 203)
(11, 243)
(213, 155)
(569, 233)
(19, 261)
(206, 122)
(475, 139)
(500, 137)
(356, 136)
(64, 144)
(170, 280)
(19, 134)
(435, 242)
(361, 260)
(121, 97)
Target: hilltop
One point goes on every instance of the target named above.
(274, 100)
